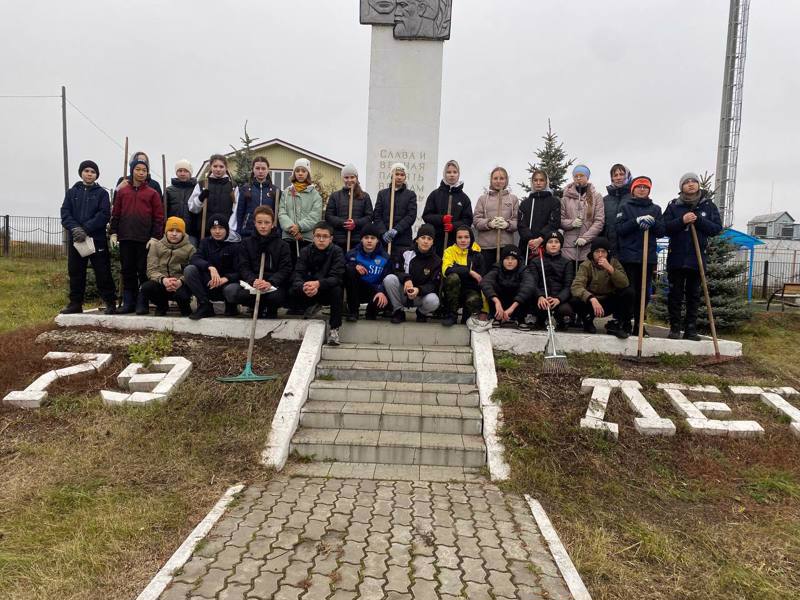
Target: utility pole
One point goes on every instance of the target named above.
(64, 135)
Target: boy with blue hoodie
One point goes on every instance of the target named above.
(366, 267)
(85, 213)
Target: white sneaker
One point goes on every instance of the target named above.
(333, 337)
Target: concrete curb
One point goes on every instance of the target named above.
(526, 342)
(568, 571)
(287, 417)
(162, 579)
(486, 380)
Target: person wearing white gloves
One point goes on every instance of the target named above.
(582, 214)
(496, 211)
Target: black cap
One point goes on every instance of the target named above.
(371, 229)
(218, 220)
(509, 250)
(89, 164)
(426, 229)
(555, 235)
(601, 243)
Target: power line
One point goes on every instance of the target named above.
(95, 125)
(27, 96)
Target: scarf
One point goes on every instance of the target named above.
(299, 187)
(690, 201)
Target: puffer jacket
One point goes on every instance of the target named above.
(436, 208)
(560, 273)
(631, 236)
(251, 196)
(487, 209)
(220, 195)
(137, 214)
(177, 197)
(336, 214)
(681, 253)
(377, 264)
(575, 204)
(461, 261)
(301, 208)
(165, 259)
(545, 219)
(405, 213)
(325, 266)
(277, 259)
(424, 269)
(591, 280)
(222, 255)
(86, 207)
(500, 282)
(612, 206)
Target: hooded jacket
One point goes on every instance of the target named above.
(325, 266)
(591, 280)
(277, 259)
(539, 215)
(458, 261)
(137, 214)
(405, 213)
(500, 282)
(165, 259)
(220, 195)
(222, 255)
(681, 253)
(631, 236)
(612, 206)
(424, 269)
(436, 209)
(86, 207)
(303, 208)
(251, 196)
(487, 209)
(337, 211)
(377, 264)
(576, 204)
(560, 273)
(177, 197)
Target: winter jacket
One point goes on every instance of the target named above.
(461, 261)
(612, 206)
(501, 282)
(377, 264)
(325, 266)
(681, 253)
(546, 217)
(177, 197)
(631, 236)
(137, 214)
(337, 211)
(576, 204)
(424, 269)
(487, 209)
(251, 196)
(436, 209)
(86, 207)
(301, 208)
(165, 259)
(560, 273)
(405, 213)
(223, 256)
(591, 280)
(277, 259)
(221, 197)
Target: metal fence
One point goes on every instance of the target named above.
(32, 237)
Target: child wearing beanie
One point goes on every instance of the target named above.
(366, 267)
(560, 272)
(177, 199)
(509, 286)
(300, 209)
(85, 213)
(338, 211)
(395, 232)
(582, 214)
(448, 207)
(166, 260)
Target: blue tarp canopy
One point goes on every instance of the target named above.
(741, 239)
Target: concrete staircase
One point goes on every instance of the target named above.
(394, 395)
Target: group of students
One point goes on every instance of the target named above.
(578, 257)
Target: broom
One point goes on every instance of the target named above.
(554, 363)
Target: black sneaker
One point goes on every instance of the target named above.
(351, 317)
(161, 311)
(621, 333)
(312, 310)
(72, 308)
(231, 309)
(371, 315)
(398, 316)
(588, 327)
(561, 325)
(111, 308)
(203, 310)
(421, 318)
(691, 334)
(674, 333)
(449, 319)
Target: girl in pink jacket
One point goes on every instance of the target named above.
(582, 215)
(495, 218)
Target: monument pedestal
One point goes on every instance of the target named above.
(405, 100)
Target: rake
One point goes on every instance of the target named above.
(247, 374)
(554, 363)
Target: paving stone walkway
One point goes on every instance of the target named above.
(314, 538)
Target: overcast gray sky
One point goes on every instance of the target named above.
(623, 80)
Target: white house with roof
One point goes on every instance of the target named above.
(774, 226)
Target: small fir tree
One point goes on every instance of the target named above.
(242, 158)
(552, 159)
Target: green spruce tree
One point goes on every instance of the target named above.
(552, 159)
(242, 158)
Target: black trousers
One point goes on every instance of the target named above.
(683, 283)
(268, 305)
(295, 247)
(506, 298)
(359, 291)
(133, 264)
(560, 313)
(197, 279)
(332, 297)
(101, 263)
(489, 257)
(156, 293)
(619, 304)
(634, 271)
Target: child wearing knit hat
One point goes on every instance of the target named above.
(340, 215)
(177, 197)
(395, 230)
(166, 260)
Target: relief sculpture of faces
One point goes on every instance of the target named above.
(412, 19)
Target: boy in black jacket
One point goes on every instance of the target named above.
(539, 216)
(317, 278)
(213, 269)
(559, 273)
(405, 213)
(509, 287)
(418, 283)
(85, 213)
(266, 241)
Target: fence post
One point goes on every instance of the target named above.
(6, 236)
(765, 281)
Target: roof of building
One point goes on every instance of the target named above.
(285, 144)
(741, 239)
(771, 217)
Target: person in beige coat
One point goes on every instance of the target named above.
(495, 218)
(582, 215)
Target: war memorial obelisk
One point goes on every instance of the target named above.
(405, 90)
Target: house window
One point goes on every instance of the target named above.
(787, 232)
(281, 179)
(760, 230)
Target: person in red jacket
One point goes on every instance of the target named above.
(137, 220)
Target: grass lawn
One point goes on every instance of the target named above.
(665, 518)
(93, 500)
(34, 290)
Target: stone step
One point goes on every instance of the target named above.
(421, 418)
(391, 371)
(390, 447)
(446, 355)
(348, 470)
(405, 334)
(433, 394)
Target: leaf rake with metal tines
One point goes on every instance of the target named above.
(554, 363)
